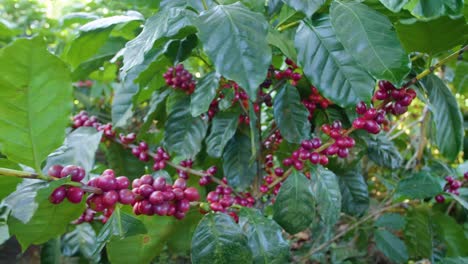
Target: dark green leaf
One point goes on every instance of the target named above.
(452, 234)
(238, 168)
(122, 161)
(459, 260)
(308, 7)
(50, 252)
(447, 116)
(204, 94)
(435, 8)
(35, 101)
(392, 221)
(326, 188)
(122, 104)
(223, 128)
(425, 36)
(355, 196)
(182, 232)
(418, 186)
(218, 239)
(282, 42)
(264, 237)
(179, 50)
(8, 183)
(294, 208)
(157, 98)
(382, 151)
(419, 233)
(461, 78)
(391, 246)
(291, 116)
(370, 38)
(82, 241)
(237, 44)
(394, 5)
(460, 200)
(329, 66)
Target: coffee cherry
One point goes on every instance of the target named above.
(109, 198)
(146, 179)
(58, 195)
(263, 189)
(372, 127)
(440, 198)
(156, 197)
(279, 172)
(359, 123)
(449, 179)
(126, 196)
(108, 172)
(106, 183)
(465, 175)
(182, 206)
(159, 184)
(55, 171)
(314, 158)
(145, 190)
(323, 160)
(191, 194)
(75, 194)
(180, 183)
(361, 108)
(455, 185)
(77, 173)
(122, 182)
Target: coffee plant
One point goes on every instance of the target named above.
(221, 131)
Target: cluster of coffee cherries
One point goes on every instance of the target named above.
(205, 180)
(160, 158)
(141, 151)
(371, 119)
(82, 119)
(306, 152)
(85, 83)
(186, 164)
(289, 73)
(179, 78)
(127, 139)
(72, 193)
(400, 98)
(315, 100)
(270, 178)
(451, 186)
(273, 141)
(342, 142)
(156, 196)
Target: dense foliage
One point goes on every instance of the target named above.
(221, 131)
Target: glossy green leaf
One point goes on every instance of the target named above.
(461, 78)
(370, 38)
(418, 186)
(393, 221)
(394, 5)
(237, 166)
(326, 188)
(35, 102)
(307, 7)
(391, 246)
(195, 4)
(382, 151)
(419, 232)
(122, 161)
(184, 133)
(264, 237)
(179, 50)
(237, 45)
(39, 219)
(282, 42)
(156, 102)
(223, 128)
(294, 208)
(447, 116)
(183, 230)
(425, 36)
(460, 200)
(329, 66)
(429, 9)
(204, 94)
(354, 193)
(50, 251)
(254, 5)
(168, 23)
(79, 149)
(218, 239)
(7, 183)
(291, 116)
(82, 240)
(452, 234)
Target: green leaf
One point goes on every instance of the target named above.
(157, 98)
(329, 66)
(392, 221)
(291, 116)
(294, 208)
(50, 251)
(144, 247)
(36, 226)
(79, 149)
(35, 101)
(238, 168)
(307, 7)
(237, 44)
(204, 94)
(447, 116)
(218, 239)
(179, 50)
(425, 36)
(354, 193)
(7, 183)
(223, 128)
(282, 42)
(460, 200)
(104, 23)
(419, 186)
(122, 103)
(434, 8)
(182, 231)
(369, 37)
(264, 237)
(461, 78)
(459, 260)
(172, 23)
(184, 133)
(326, 188)
(122, 161)
(382, 151)
(4, 232)
(81, 241)
(254, 5)
(391, 246)
(419, 233)
(452, 234)
(394, 5)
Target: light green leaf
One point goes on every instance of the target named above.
(238, 168)
(391, 246)
(329, 66)
(326, 188)
(204, 93)
(7, 183)
(370, 38)
(419, 186)
(223, 128)
(35, 101)
(237, 44)
(308, 7)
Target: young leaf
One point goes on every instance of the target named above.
(326, 188)
(291, 116)
(294, 208)
(382, 151)
(264, 236)
(223, 128)
(238, 168)
(218, 239)
(307, 7)
(447, 116)
(204, 94)
(391, 246)
(184, 133)
(329, 66)
(418, 186)
(369, 37)
(237, 44)
(355, 196)
(35, 101)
